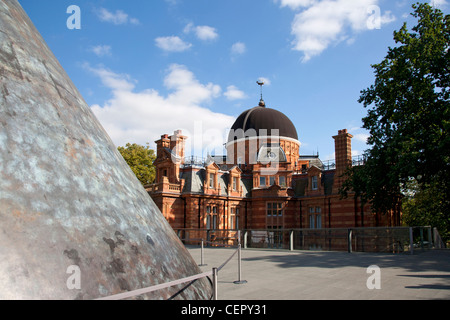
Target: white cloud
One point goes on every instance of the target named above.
(141, 117)
(101, 50)
(361, 137)
(172, 44)
(205, 33)
(117, 18)
(111, 80)
(238, 48)
(438, 3)
(233, 93)
(187, 89)
(321, 23)
(295, 4)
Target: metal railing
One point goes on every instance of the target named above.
(384, 239)
(213, 274)
(356, 161)
(381, 239)
(193, 161)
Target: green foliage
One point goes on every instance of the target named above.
(140, 159)
(424, 207)
(408, 118)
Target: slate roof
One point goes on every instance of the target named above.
(301, 183)
(195, 179)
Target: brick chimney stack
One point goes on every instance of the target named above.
(343, 154)
(177, 144)
(164, 142)
(170, 155)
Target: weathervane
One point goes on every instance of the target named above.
(260, 83)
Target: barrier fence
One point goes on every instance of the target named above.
(390, 239)
(382, 239)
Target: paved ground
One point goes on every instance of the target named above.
(313, 275)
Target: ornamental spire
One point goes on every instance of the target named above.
(261, 102)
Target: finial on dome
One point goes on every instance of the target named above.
(261, 102)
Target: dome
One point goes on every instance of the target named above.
(262, 118)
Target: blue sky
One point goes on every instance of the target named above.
(148, 68)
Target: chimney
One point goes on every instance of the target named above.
(164, 142)
(177, 144)
(343, 154)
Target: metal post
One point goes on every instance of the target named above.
(214, 279)
(421, 237)
(430, 240)
(239, 281)
(202, 263)
(245, 239)
(411, 243)
(291, 240)
(349, 240)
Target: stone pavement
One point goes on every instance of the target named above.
(322, 275)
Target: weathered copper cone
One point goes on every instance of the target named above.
(67, 197)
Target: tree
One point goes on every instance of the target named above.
(408, 116)
(140, 159)
(424, 206)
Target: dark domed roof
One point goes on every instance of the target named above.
(259, 118)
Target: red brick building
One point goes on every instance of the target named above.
(262, 183)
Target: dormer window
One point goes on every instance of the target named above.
(212, 177)
(314, 185)
(262, 181)
(272, 181)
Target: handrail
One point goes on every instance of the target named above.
(138, 292)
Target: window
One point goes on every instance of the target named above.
(274, 215)
(282, 181)
(279, 209)
(211, 180)
(315, 217)
(319, 221)
(272, 181)
(234, 218)
(214, 222)
(208, 217)
(318, 217)
(314, 183)
(211, 217)
(311, 221)
(235, 183)
(274, 209)
(262, 181)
